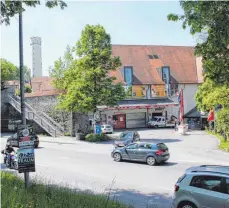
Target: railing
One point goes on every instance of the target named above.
(31, 114)
(57, 126)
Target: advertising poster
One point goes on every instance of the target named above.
(26, 160)
(158, 91)
(25, 153)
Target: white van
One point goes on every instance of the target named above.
(160, 121)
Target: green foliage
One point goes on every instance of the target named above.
(14, 195)
(8, 70)
(86, 83)
(28, 89)
(97, 137)
(10, 8)
(209, 17)
(27, 74)
(222, 124)
(209, 95)
(60, 66)
(17, 92)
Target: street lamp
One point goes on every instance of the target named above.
(22, 82)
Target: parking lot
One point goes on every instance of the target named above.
(89, 166)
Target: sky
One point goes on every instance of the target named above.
(128, 22)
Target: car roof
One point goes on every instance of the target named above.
(210, 169)
(144, 143)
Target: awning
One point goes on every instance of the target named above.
(141, 104)
(193, 113)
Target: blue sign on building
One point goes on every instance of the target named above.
(98, 129)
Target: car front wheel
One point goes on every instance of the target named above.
(187, 205)
(151, 161)
(117, 157)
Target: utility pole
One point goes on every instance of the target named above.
(22, 82)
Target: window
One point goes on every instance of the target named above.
(126, 135)
(132, 146)
(211, 183)
(174, 89)
(128, 75)
(227, 185)
(145, 146)
(162, 146)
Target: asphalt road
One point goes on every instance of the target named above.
(89, 166)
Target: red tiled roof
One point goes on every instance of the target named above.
(42, 93)
(181, 60)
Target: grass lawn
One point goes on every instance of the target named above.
(14, 195)
(223, 145)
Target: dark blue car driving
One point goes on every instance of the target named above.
(150, 153)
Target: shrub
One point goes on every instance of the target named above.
(28, 89)
(97, 137)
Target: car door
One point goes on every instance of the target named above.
(227, 193)
(132, 151)
(208, 191)
(163, 122)
(142, 151)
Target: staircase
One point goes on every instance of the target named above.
(42, 119)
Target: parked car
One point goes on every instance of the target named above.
(13, 140)
(107, 129)
(152, 154)
(126, 138)
(160, 121)
(203, 186)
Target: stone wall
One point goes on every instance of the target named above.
(47, 105)
(72, 122)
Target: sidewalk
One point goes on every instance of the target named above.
(70, 140)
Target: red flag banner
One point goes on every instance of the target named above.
(181, 102)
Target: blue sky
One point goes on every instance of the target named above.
(127, 22)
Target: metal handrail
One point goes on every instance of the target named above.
(59, 128)
(43, 123)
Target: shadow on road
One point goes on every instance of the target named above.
(140, 200)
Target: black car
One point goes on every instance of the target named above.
(150, 153)
(126, 138)
(13, 140)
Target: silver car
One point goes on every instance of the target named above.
(205, 186)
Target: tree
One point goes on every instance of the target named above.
(8, 70)
(86, 82)
(27, 74)
(212, 18)
(10, 8)
(60, 66)
(209, 95)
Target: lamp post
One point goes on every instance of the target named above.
(22, 82)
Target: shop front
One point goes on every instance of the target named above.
(132, 114)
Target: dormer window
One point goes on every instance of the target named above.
(154, 56)
(128, 75)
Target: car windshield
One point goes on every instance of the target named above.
(154, 119)
(107, 126)
(126, 135)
